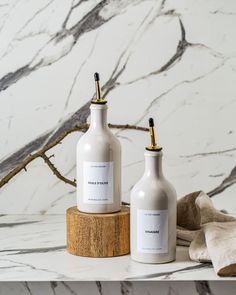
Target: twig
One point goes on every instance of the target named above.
(56, 172)
(37, 154)
(125, 203)
(43, 150)
(127, 126)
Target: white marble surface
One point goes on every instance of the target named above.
(33, 249)
(118, 288)
(173, 60)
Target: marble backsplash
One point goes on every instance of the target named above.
(173, 60)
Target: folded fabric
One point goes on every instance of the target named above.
(209, 233)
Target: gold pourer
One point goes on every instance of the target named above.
(153, 146)
(98, 99)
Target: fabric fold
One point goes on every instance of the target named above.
(209, 233)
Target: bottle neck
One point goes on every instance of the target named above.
(153, 164)
(98, 119)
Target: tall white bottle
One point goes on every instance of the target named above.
(98, 162)
(153, 211)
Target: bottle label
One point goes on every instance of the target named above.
(152, 231)
(98, 182)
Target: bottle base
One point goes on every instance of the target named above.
(148, 260)
(95, 211)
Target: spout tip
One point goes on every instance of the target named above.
(151, 122)
(96, 77)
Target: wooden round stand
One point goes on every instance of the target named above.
(98, 235)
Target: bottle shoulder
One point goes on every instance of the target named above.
(152, 187)
(105, 145)
(105, 136)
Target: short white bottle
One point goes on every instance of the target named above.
(98, 163)
(153, 211)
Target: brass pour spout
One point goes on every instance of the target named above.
(98, 98)
(153, 146)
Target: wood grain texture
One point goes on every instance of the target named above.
(98, 235)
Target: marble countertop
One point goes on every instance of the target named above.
(33, 248)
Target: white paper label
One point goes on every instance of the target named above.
(98, 182)
(152, 231)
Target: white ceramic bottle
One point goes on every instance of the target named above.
(98, 162)
(153, 211)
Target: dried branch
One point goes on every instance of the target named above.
(56, 171)
(38, 154)
(127, 126)
(41, 152)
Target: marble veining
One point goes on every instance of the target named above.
(33, 248)
(118, 288)
(170, 60)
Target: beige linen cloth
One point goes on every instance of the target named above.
(209, 233)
